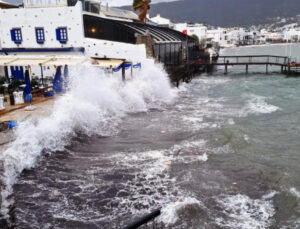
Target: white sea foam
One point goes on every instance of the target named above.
(245, 213)
(295, 192)
(94, 104)
(257, 105)
(190, 151)
(269, 195)
(169, 214)
(152, 185)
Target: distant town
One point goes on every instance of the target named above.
(280, 32)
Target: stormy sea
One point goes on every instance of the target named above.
(219, 152)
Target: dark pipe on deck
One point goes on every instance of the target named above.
(143, 220)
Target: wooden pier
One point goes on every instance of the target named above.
(286, 64)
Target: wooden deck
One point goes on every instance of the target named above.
(17, 112)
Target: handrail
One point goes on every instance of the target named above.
(247, 56)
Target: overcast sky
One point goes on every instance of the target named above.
(129, 2)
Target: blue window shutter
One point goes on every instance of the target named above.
(62, 35)
(58, 34)
(13, 36)
(40, 35)
(16, 35)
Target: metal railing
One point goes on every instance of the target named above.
(252, 59)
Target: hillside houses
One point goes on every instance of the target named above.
(234, 36)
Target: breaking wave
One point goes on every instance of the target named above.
(169, 215)
(244, 213)
(94, 104)
(295, 192)
(257, 105)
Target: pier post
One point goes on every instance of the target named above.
(281, 69)
(267, 68)
(247, 68)
(226, 67)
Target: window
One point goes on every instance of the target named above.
(16, 35)
(40, 35)
(62, 35)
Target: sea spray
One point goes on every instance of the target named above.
(94, 104)
(243, 212)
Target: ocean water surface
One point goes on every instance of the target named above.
(219, 152)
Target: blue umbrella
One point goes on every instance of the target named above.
(58, 81)
(27, 89)
(66, 75)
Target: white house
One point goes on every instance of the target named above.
(53, 33)
(267, 36)
(192, 29)
(218, 37)
(161, 21)
(292, 35)
(53, 29)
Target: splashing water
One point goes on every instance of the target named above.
(94, 104)
(244, 212)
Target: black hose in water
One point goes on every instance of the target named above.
(143, 220)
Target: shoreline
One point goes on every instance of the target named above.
(264, 45)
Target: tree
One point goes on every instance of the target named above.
(196, 38)
(201, 44)
(142, 6)
(2, 80)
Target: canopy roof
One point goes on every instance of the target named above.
(57, 61)
(107, 63)
(160, 34)
(125, 31)
(119, 13)
(7, 5)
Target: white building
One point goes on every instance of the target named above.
(51, 33)
(292, 35)
(218, 37)
(54, 29)
(267, 36)
(192, 29)
(161, 21)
